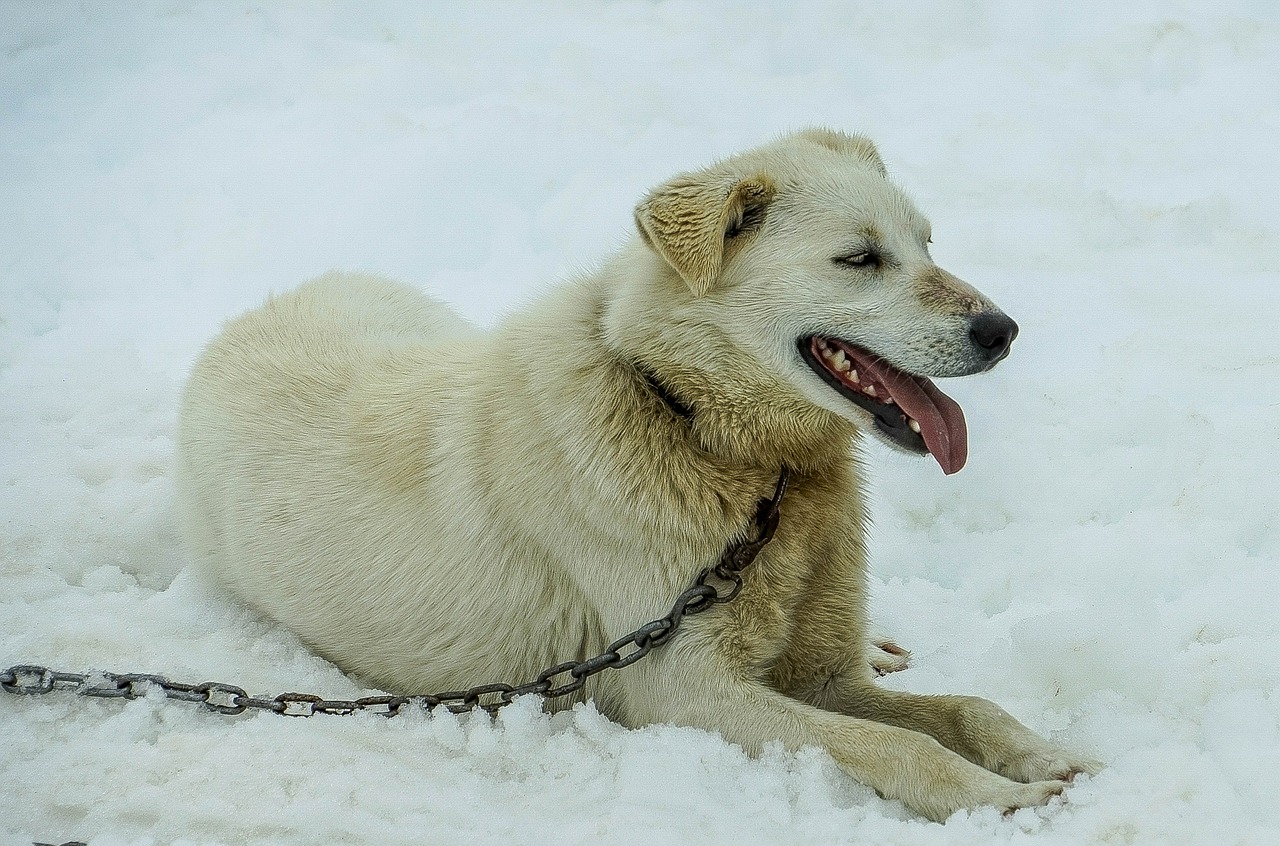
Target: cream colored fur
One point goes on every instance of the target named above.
(431, 506)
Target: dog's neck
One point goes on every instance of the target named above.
(723, 403)
(748, 424)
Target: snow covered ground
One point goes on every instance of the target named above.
(1106, 567)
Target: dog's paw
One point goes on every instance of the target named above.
(1051, 763)
(1028, 795)
(887, 657)
(991, 791)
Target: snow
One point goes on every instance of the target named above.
(1105, 567)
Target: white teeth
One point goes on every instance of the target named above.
(889, 401)
(869, 390)
(913, 425)
(853, 375)
(839, 360)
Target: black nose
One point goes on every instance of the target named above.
(992, 333)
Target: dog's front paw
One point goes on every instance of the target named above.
(942, 782)
(1029, 795)
(994, 739)
(887, 657)
(990, 790)
(1049, 763)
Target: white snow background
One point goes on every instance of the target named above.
(1105, 567)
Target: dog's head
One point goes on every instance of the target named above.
(811, 262)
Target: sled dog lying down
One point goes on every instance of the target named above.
(431, 506)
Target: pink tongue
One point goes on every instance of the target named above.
(940, 417)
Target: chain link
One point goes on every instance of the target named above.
(555, 681)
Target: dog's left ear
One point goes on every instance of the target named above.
(690, 219)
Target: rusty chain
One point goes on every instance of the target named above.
(553, 682)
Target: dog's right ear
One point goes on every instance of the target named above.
(858, 146)
(689, 220)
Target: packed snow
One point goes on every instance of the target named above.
(1106, 567)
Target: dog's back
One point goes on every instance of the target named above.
(272, 417)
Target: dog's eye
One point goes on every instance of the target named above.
(866, 259)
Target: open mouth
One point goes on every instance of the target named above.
(909, 410)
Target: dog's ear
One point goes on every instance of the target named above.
(690, 219)
(858, 146)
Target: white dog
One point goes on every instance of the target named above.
(430, 506)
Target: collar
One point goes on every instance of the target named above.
(678, 408)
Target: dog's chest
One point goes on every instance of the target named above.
(810, 575)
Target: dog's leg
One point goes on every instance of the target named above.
(977, 729)
(841, 680)
(691, 687)
(830, 665)
(830, 662)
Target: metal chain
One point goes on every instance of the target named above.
(553, 682)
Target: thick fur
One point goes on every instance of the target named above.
(430, 506)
